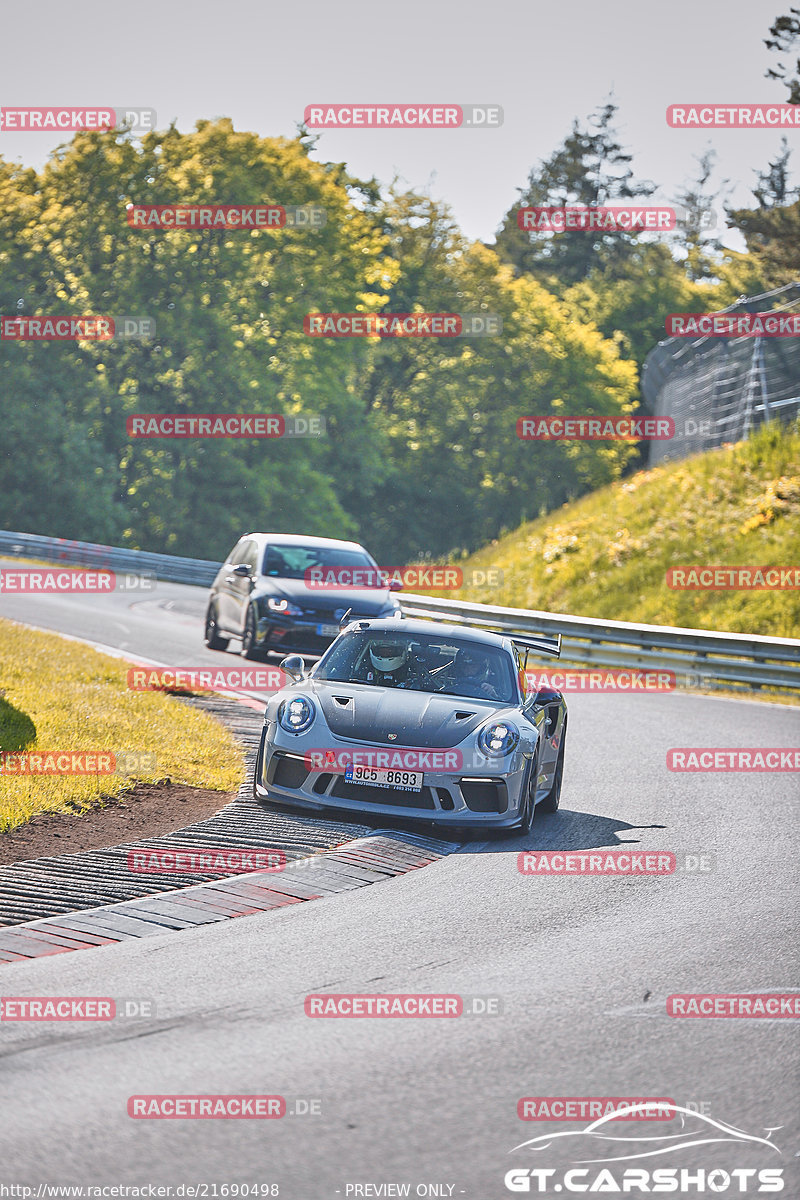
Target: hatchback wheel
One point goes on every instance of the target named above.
(250, 648)
(212, 638)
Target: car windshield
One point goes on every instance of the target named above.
(292, 562)
(420, 662)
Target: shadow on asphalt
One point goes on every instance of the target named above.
(563, 830)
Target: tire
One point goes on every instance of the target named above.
(249, 648)
(528, 811)
(553, 798)
(259, 761)
(212, 638)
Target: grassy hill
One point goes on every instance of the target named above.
(606, 555)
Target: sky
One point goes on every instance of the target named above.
(260, 63)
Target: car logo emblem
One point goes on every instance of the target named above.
(392, 737)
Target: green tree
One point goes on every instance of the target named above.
(697, 243)
(774, 188)
(459, 474)
(773, 240)
(228, 308)
(784, 34)
(591, 167)
(55, 474)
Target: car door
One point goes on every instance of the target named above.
(544, 716)
(227, 594)
(241, 583)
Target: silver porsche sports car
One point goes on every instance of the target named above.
(413, 718)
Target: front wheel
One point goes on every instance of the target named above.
(259, 764)
(528, 810)
(212, 638)
(250, 648)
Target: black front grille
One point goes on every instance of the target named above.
(366, 793)
(485, 795)
(300, 641)
(287, 771)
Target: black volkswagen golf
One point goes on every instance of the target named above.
(287, 593)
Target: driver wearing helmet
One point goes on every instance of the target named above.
(469, 675)
(389, 664)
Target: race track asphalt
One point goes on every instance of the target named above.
(579, 969)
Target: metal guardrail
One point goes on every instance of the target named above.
(698, 658)
(110, 558)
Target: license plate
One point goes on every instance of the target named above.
(386, 777)
(327, 631)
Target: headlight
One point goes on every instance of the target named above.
(280, 605)
(296, 715)
(498, 739)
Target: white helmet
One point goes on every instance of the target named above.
(388, 656)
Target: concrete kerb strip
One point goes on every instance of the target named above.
(206, 903)
(366, 860)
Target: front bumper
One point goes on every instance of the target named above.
(469, 799)
(293, 635)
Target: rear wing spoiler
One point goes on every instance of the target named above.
(541, 644)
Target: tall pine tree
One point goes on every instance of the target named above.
(591, 167)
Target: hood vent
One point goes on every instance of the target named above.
(417, 718)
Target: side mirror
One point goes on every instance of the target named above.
(242, 570)
(294, 667)
(395, 585)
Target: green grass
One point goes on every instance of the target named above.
(607, 554)
(58, 695)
